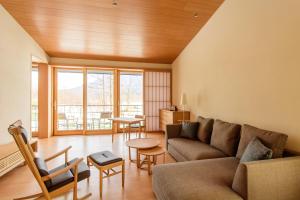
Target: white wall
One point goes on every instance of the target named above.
(244, 66)
(16, 50)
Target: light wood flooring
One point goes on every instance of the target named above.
(20, 182)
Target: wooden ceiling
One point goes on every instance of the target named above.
(134, 30)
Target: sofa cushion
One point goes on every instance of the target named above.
(272, 140)
(176, 155)
(194, 149)
(256, 151)
(189, 130)
(225, 137)
(195, 180)
(239, 184)
(205, 129)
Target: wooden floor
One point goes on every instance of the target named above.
(20, 182)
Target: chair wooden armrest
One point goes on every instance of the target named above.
(61, 171)
(65, 151)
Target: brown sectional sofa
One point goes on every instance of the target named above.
(211, 168)
(223, 142)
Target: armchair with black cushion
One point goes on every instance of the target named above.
(52, 182)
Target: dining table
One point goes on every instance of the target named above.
(125, 121)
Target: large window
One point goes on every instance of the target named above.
(86, 98)
(34, 99)
(131, 94)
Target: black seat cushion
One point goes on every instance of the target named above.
(104, 158)
(83, 170)
(65, 178)
(60, 180)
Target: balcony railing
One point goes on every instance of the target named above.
(70, 117)
(34, 118)
(131, 110)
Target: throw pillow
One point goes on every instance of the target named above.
(256, 151)
(189, 130)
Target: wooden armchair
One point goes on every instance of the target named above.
(52, 182)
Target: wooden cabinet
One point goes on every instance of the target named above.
(171, 117)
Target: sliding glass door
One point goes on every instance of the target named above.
(131, 93)
(34, 100)
(69, 101)
(86, 98)
(100, 99)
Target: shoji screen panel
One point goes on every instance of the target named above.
(157, 91)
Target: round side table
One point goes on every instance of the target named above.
(152, 153)
(139, 144)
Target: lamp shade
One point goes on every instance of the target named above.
(183, 99)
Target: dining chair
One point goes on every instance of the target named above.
(142, 125)
(63, 117)
(105, 116)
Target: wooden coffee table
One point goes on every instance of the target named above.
(152, 153)
(141, 143)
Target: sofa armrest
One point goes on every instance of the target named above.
(172, 131)
(269, 179)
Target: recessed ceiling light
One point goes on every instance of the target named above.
(114, 3)
(196, 15)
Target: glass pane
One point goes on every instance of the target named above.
(69, 100)
(131, 94)
(34, 99)
(100, 98)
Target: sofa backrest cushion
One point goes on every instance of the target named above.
(189, 130)
(272, 140)
(205, 129)
(225, 137)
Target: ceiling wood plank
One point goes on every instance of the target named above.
(134, 30)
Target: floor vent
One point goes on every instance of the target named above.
(10, 162)
(11, 157)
